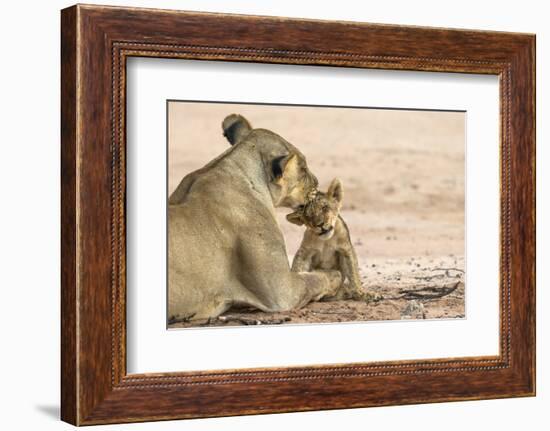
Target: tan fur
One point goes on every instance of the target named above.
(326, 244)
(225, 247)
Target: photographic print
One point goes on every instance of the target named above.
(289, 214)
(317, 209)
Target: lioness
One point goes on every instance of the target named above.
(225, 247)
(326, 243)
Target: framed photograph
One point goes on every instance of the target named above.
(323, 214)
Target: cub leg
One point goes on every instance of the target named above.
(350, 270)
(316, 285)
(302, 261)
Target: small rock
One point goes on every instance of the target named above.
(413, 310)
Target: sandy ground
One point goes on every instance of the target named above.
(403, 176)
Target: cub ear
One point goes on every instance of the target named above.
(336, 190)
(235, 128)
(282, 164)
(295, 217)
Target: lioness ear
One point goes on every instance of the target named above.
(282, 164)
(295, 218)
(336, 190)
(235, 128)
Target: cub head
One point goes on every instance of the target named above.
(321, 210)
(289, 179)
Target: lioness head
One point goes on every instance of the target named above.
(321, 210)
(288, 177)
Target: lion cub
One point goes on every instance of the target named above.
(327, 244)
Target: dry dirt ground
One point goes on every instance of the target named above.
(403, 176)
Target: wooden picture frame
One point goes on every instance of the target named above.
(95, 43)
